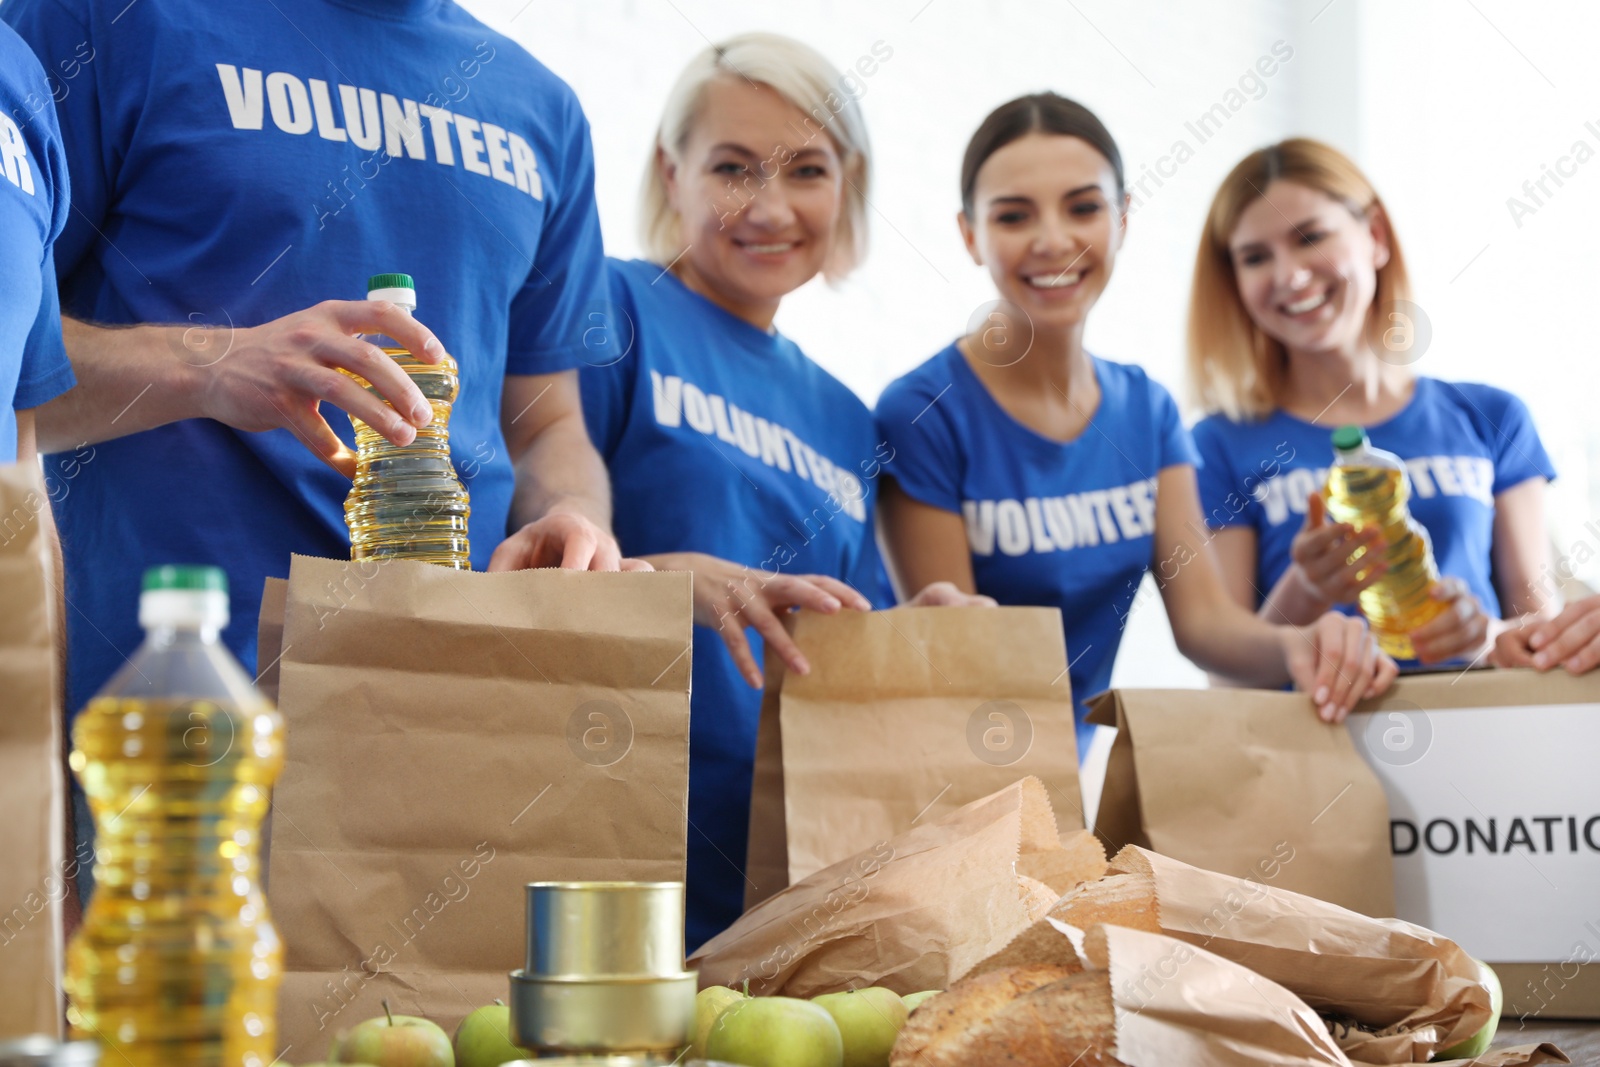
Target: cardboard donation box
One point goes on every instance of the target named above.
(452, 736)
(1494, 823)
(1248, 783)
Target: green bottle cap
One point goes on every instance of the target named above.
(175, 576)
(1347, 437)
(390, 281)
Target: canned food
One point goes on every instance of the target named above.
(592, 929)
(609, 1014)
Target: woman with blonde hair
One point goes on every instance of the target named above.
(1300, 322)
(732, 455)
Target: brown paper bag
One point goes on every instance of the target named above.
(269, 636)
(1174, 1002)
(1180, 1004)
(1248, 783)
(451, 737)
(1408, 991)
(913, 912)
(32, 778)
(1388, 991)
(906, 715)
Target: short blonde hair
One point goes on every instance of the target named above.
(1234, 366)
(798, 73)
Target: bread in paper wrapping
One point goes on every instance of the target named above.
(1116, 996)
(1412, 989)
(911, 913)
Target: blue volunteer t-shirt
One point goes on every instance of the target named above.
(234, 163)
(33, 209)
(1462, 444)
(1071, 525)
(724, 439)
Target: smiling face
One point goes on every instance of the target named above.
(1047, 222)
(1307, 268)
(759, 194)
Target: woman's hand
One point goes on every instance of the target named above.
(1571, 639)
(1337, 660)
(1322, 552)
(948, 595)
(729, 597)
(1462, 630)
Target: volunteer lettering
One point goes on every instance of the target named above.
(677, 401)
(371, 120)
(1046, 524)
(1469, 476)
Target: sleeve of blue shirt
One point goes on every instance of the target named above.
(1177, 447)
(46, 372)
(553, 318)
(607, 385)
(60, 34)
(926, 463)
(1518, 452)
(1222, 496)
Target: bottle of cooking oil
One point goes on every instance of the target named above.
(407, 502)
(1368, 487)
(177, 963)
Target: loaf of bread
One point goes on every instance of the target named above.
(1119, 899)
(1116, 900)
(1038, 1014)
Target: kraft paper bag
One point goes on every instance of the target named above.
(1391, 992)
(906, 715)
(912, 912)
(32, 775)
(452, 736)
(1175, 1002)
(269, 636)
(1249, 783)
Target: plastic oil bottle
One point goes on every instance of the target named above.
(407, 502)
(177, 963)
(1368, 487)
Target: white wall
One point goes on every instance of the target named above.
(1432, 96)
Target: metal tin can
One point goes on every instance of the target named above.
(591, 929)
(40, 1050)
(603, 1014)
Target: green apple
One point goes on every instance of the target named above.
(869, 1020)
(394, 1041)
(709, 1003)
(776, 1032)
(484, 1038)
(913, 999)
(1478, 1043)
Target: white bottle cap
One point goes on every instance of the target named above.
(395, 288)
(189, 598)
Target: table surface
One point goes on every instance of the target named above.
(1580, 1041)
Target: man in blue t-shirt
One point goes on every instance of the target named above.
(33, 209)
(238, 172)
